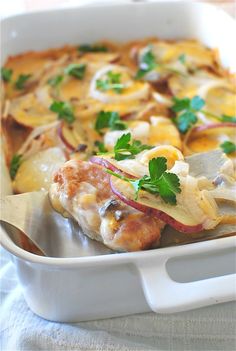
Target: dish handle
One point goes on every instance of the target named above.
(164, 295)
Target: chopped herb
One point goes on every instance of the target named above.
(188, 117)
(76, 70)
(124, 149)
(100, 146)
(147, 64)
(14, 165)
(182, 58)
(188, 108)
(21, 80)
(6, 74)
(225, 118)
(228, 147)
(196, 103)
(92, 48)
(109, 120)
(55, 81)
(64, 111)
(111, 83)
(222, 118)
(159, 182)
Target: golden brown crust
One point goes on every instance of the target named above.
(120, 227)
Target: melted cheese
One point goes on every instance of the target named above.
(37, 171)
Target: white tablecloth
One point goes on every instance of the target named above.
(211, 328)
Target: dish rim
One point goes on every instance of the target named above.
(123, 257)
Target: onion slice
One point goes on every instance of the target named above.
(141, 92)
(156, 210)
(229, 129)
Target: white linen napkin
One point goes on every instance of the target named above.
(209, 328)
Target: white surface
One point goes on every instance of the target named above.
(209, 328)
(87, 24)
(179, 20)
(16, 41)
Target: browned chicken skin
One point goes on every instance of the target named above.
(82, 189)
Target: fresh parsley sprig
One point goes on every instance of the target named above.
(76, 70)
(186, 113)
(15, 164)
(188, 108)
(112, 82)
(55, 81)
(64, 111)
(148, 63)
(21, 80)
(125, 149)
(182, 59)
(228, 147)
(158, 182)
(109, 120)
(92, 48)
(101, 147)
(6, 74)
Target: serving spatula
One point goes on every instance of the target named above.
(34, 225)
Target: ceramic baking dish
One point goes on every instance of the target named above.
(163, 280)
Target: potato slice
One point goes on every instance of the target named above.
(36, 172)
(30, 111)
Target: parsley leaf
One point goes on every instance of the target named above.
(169, 185)
(14, 165)
(92, 48)
(21, 80)
(124, 149)
(6, 74)
(100, 146)
(55, 81)
(185, 121)
(76, 70)
(182, 58)
(196, 103)
(147, 64)
(180, 104)
(111, 83)
(157, 166)
(64, 111)
(109, 120)
(159, 182)
(228, 147)
(225, 118)
(188, 108)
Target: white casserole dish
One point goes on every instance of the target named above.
(163, 280)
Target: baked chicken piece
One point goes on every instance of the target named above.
(82, 190)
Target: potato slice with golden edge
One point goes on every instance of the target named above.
(170, 152)
(209, 137)
(30, 111)
(35, 173)
(160, 131)
(163, 131)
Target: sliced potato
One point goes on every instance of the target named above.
(164, 132)
(30, 111)
(209, 137)
(36, 172)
